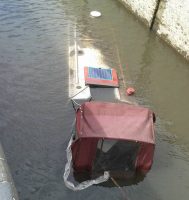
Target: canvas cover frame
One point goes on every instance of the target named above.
(120, 121)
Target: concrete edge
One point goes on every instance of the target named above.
(7, 187)
(145, 21)
(164, 37)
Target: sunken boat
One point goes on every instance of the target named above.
(111, 139)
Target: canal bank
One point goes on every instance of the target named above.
(169, 19)
(7, 188)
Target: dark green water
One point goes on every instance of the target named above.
(35, 114)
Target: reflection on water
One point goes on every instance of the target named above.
(35, 115)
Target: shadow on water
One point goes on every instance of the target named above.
(131, 178)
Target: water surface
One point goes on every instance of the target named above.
(35, 114)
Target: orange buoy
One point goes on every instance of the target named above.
(130, 91)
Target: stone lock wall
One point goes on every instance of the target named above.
(171, 21)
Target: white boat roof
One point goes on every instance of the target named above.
(78, 59)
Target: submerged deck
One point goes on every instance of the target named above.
(82, 53)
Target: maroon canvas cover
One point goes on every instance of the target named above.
(144, 158)
(115, 121)
(83, 153)
(120, 121)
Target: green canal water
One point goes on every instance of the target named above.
(35, 113)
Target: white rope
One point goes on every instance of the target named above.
(84, 184)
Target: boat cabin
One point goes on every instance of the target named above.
(114, 137)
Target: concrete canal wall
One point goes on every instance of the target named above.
(7, 188)
(171, 20)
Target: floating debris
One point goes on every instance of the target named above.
(130, 91)
(95, 13)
